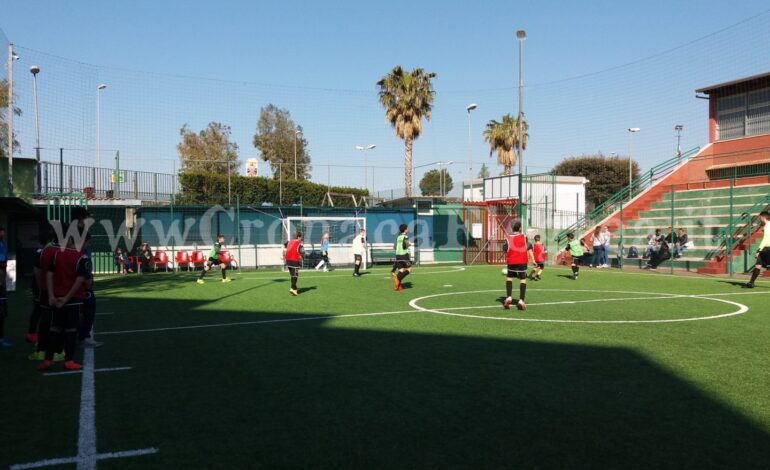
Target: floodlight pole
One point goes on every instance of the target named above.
(34, 70)
(631, 132)
(11, 57)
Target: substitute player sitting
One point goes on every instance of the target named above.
(518, 254)
(293, 252)
(214, 259)
(763, 252)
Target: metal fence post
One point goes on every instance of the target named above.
(673, 229)
(173, 244)
(238, 228)
(730, 230)
(621, 253)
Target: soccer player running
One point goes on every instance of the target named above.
(324, 253)
(763, 252)
(359, 249)
(292, 253)
(66, 279)
(518, 254)
(214, 259)
(403, 262)
(575, 248)
(539, 252)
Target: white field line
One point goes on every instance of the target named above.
(255, 322)
(87, 427)
(663, 272)
(75, 372)
(741, 310)
(458, 269)
(566, 302)
(71, 460)
(106, 313)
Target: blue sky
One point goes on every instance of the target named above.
(321, 60)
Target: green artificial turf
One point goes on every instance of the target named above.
(262, 379)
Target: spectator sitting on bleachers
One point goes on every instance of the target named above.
(652, 246)
(682, 243)
(662, 254)
(145, 258)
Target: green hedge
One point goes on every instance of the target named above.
(207, 188)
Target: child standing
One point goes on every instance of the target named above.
(539, 253)
(575, 248)
(324, 254)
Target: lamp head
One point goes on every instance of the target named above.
(34, 70)
(101, 87)
(521, 34)
(471, 107)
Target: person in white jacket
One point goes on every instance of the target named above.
(606, 236)
(359, 250)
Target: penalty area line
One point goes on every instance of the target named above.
(71, 460)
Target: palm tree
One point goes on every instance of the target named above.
(407, 98)
(503, 139)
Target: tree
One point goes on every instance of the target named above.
(503, 139)
(606, 175)
(484, 171)
(431, 184)
(407, 97)
(276, 137)
(209, 150)
(4, 120)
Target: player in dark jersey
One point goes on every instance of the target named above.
(518, 254)
(34, 316)
(44, 325)
(763, 251)
(214, 259)
(539, 253)
(86, 326)
(403, 262)
(65, 279)
(293, 253)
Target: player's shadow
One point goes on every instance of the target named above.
(565, 276)
(406, 285)
(739, 283)
(358, 398)
(302, 290)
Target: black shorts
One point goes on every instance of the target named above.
(67, 317)
(541, 265)
(518, 271)
(294, 265)
(357, 258)
(577, 260)
(403, 261)
(764, 258)
(3, 265)
(214, 261)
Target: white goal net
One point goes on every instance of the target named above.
(342, 231)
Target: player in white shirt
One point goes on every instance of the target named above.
(359, 250)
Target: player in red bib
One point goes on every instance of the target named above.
(518, 254)
(539, 252)
(292, 253)
(66, 286)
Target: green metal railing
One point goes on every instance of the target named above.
(628, 192)
(741, 227)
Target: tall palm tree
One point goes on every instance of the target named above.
(407, 97)
(503, 139)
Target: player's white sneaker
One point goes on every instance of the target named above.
(507, 303)
(521, 305)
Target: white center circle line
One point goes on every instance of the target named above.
(445, 311)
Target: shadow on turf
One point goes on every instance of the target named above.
(740, 284)
(312, 394)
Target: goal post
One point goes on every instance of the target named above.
(341, 230)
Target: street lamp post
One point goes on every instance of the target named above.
(521, 35)
(34, 70)
(631, 132)
(363, 149)
(679, 128)
(470, 108)
(98, 124)
(11, 57)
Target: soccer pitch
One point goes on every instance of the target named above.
(615, 370)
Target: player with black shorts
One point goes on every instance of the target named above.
(539, 252)
(575, 249)
(292, 253)
(214, 259)
(518, 254)
(763, 252)
(359, 250)
(66, 278)
(403, 262)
